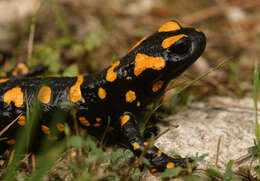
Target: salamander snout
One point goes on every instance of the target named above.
(198, 42)
(184, 52)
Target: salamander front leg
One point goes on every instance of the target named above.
(157, 158)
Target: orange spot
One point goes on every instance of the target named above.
(102, 93)
(21, 120)
(20, 68)
(197, 29)
(171, 40)
(111, 75)
(136, 146)
(75, 92)
(157, 85)
(169, 26)
(45, 129)
(146, 143)
(130, 96)
(138, 104)
(10, 142)
(60, 127)
(96, 124)
(143, 62)
(44, 94)
(98, 119)
(159, 153)
(170, 165)
(84, 121)
(14, 95)
(3, 80)
(124, 120)
(138, 43)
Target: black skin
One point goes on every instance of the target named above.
(178, 57)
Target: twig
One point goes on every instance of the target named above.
(31, 40)
(214, 11)
(218, 149)
(9, 125)
(242, 159)
(223, 105)
(164, 132)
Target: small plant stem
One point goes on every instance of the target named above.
(256, 91)
(218, 149)
(191, 83)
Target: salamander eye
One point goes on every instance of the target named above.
(181, 47)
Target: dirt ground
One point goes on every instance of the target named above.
(232, 28)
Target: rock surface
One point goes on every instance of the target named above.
(202, 124)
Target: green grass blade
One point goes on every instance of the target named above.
(256, 91)
(47, 161)
(105, 132)
(192, 82)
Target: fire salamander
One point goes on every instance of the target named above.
(121, 92)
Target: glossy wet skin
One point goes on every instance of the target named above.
(178, 56)
(184, 52)
(122, 91)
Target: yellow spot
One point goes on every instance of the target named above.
(14, 95)
(45, 129)
(170, 165)
(111, 75)
(98, 119)
(52, 138)
(197, 29)
(171, 40)
(138, 43)
(84, 121)
(102, 93)
(138, 104)
(143, 62)
(60, 127)
(159, 153)
(3, 80)
(75, 92)
(124, 120)
(130, 96)
(169, 26)
(10, 142)
(157, 85)
(146, 143)
(136, 146)
(20, 68)
(44, 94)
(96, 124)
(21, 120)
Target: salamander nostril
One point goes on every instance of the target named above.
(181, 47)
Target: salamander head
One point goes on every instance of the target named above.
(167, 53)
(181, 50)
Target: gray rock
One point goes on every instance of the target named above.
(202, 124)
